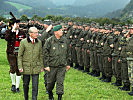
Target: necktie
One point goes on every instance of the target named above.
(33, 41)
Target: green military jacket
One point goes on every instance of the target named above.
(123, 45)
(107, 50)
(129, 48)
(56, 52)
(30, 56)
(116, 42)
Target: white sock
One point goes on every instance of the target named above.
(18, 79)
(12, 78)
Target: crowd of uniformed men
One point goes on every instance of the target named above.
(100, 51)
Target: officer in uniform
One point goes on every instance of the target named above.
(57, 59)
(130, 59)
(116, 67)
(123, 62)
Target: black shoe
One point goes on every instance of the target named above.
(117, 83)
(131, 93)
(125, 88)
(76, 66)
(59, 96)
(82, 68)
(71, 64)
(97, 74)
(107, 80)
(13, 88)
(102, 78)
(51, 96)
(79, 67)
(91, 73)
(17, 90)
(86, 70)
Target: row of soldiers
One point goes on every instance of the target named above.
(107, 50)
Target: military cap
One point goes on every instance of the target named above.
(57, 27)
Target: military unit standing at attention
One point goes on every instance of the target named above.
(101, 51)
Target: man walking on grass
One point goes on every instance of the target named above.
(30, 62)
(57, 58)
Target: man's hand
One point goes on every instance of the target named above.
(112, 46)
(49, 28)
(47, 69)
(68, 67)
(119, 60)
(21, 70)
(88, 51)
(109, 59)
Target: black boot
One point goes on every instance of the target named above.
(91, 73)
(86, 70)
(17, 90)
(76, 66)
(108, 79)
(117, 83)
(13, 88)
(51, 95)
(97, 74)
(71, 64)
(131, 93)
(103, 77)
(82, 68)
(79, 68)
(59, 96)
(125, 88)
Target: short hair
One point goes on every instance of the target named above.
(31, 29)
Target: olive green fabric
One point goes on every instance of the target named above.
(30, 57)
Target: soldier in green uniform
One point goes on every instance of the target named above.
(130, 58)
(79, 48)
(86, 56)
(107, 57)
(116, 67)
(57, 59)
(100, 51)
(124, 65)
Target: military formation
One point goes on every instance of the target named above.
(101, 51)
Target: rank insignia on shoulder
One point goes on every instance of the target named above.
(54, 48)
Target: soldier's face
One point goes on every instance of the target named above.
(60, 32)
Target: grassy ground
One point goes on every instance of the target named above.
(78, 86)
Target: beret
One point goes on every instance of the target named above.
(57, 27)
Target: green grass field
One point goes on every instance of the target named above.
(19, 6)
(77, 86)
